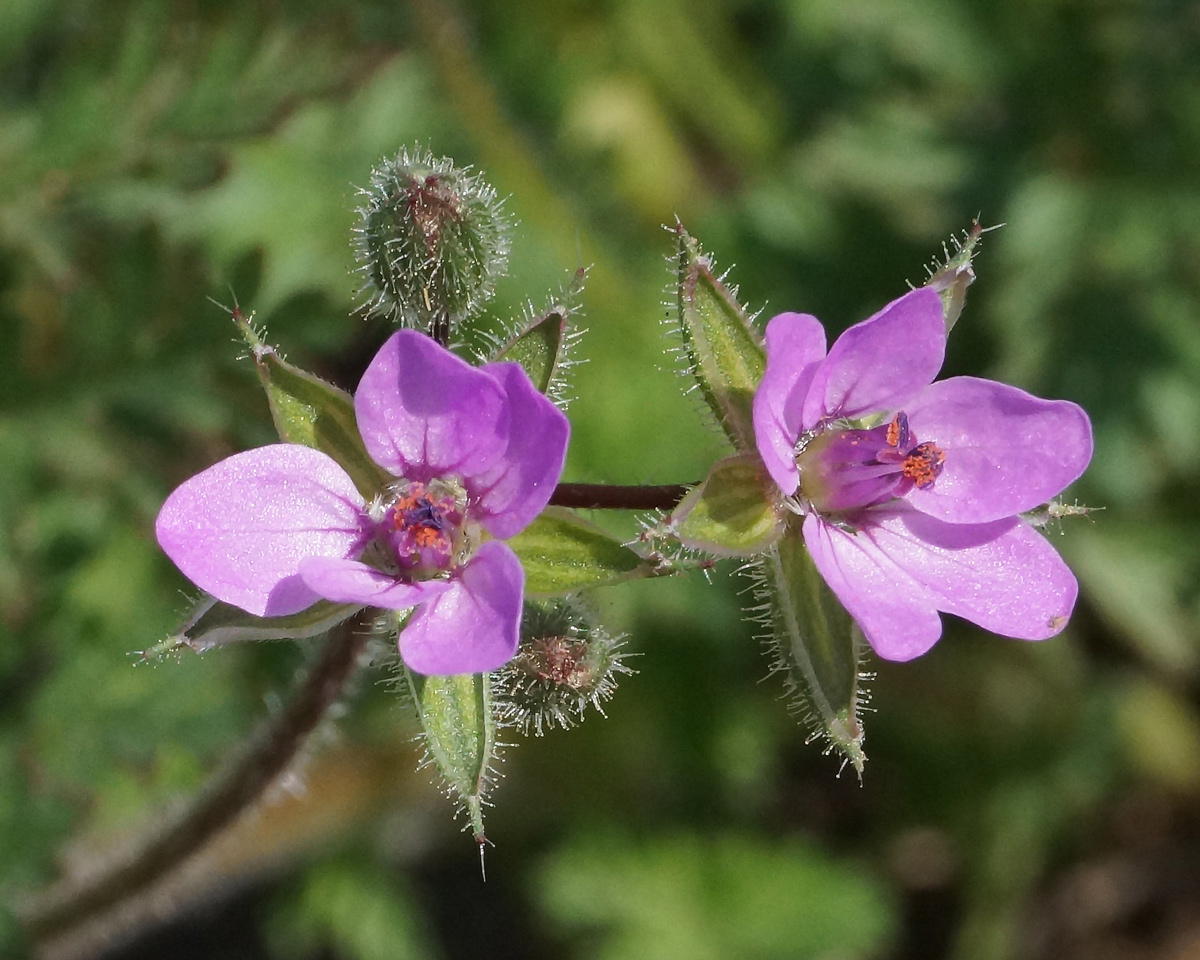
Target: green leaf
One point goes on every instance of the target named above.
(816, 644)
(561, 553)
(459, 734)
(734, 512)
(309, 411)
(724, 352)
(215, 624)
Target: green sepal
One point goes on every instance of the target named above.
(951, 275)
(538, 347)
(309, 411)
(734, 512)
(816, 643)
(459, 733)
(724, 352)
(541, 343)
(215, 624)
(561, 553)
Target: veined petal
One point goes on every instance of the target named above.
(795, 347)
(518, 487)
(240, 529)
(881, 363)
(474, 626)
(351, 581)
(1006, 450)
(1004, 575)
(896, 614)
(423, 412)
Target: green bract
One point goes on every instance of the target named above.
(214, 624)
(539, 347)
(542, 341)
(734, 512)
(459, 733)
(724, 352)
(815, 643)
(951, 275)
(309, 411)
(561, 553)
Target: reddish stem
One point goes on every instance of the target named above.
(604, 496)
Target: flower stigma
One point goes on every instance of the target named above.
(845, 466)
(421, 529)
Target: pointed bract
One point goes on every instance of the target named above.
(724, 352)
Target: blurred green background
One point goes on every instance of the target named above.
(1021, 801)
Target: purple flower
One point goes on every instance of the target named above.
(911, 490)
(476, 452)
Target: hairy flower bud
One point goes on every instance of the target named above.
(565, 662)
(431, 241)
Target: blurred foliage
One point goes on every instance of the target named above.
(1020, 800)
(679, 896)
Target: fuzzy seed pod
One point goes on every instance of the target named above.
(566, 661)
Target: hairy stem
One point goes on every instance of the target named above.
(267, 754)
(603, 496)
(440, 328)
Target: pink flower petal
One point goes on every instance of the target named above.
(516, 490)
(879, 364)
(474, 626)
(1003, 576)
(795, 347)
(1006, 451)
(351, 581)
(239, 529)
(895, 613)
(424, 413)
(902, 566)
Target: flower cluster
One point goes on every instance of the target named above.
(911, 490)
(476, 453)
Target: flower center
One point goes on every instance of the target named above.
(847, 469)
(422, 528)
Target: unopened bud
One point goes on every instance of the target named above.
(431, 242)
